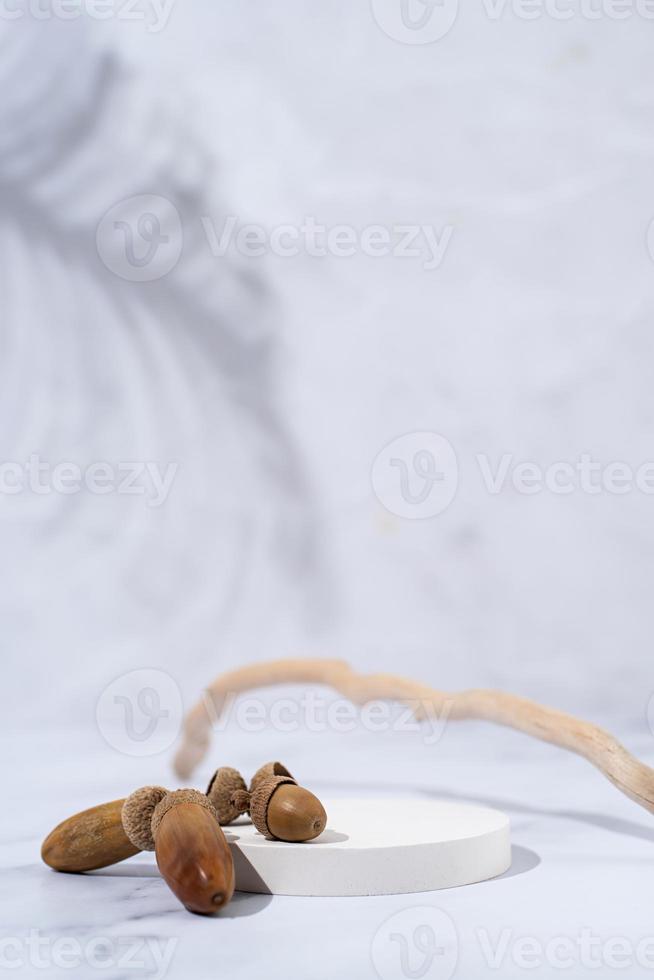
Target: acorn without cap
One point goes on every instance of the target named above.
(92, 839)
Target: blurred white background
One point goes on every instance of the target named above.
(271, 383)
(214, 453)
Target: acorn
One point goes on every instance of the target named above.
(278, 807)
(282, 810)
(92, 839)
(192, 854)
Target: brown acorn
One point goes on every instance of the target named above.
(92, 839)
(294, 814)
(192, 853)
(282, 810)
(278, 807)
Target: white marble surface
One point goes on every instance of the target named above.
(582, 865)
(533, 140)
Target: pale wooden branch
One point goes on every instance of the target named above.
(632, 777)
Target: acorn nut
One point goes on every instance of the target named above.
(282, 810)
(278, 807)
(192, 854)
(92, 839)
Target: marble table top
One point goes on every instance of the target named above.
(577, 898)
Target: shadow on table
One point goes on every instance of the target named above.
(128, 869)
(522, 860)
(245, 903)
(615, 825)
(242, 903)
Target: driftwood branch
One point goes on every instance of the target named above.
(632, 777)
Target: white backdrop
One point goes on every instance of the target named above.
(531, 142)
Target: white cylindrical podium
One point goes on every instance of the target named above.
(377, 847)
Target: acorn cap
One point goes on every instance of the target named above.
(223, 785)
(260, 800)
(176, 797)
(137, 815)
(270, 770)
